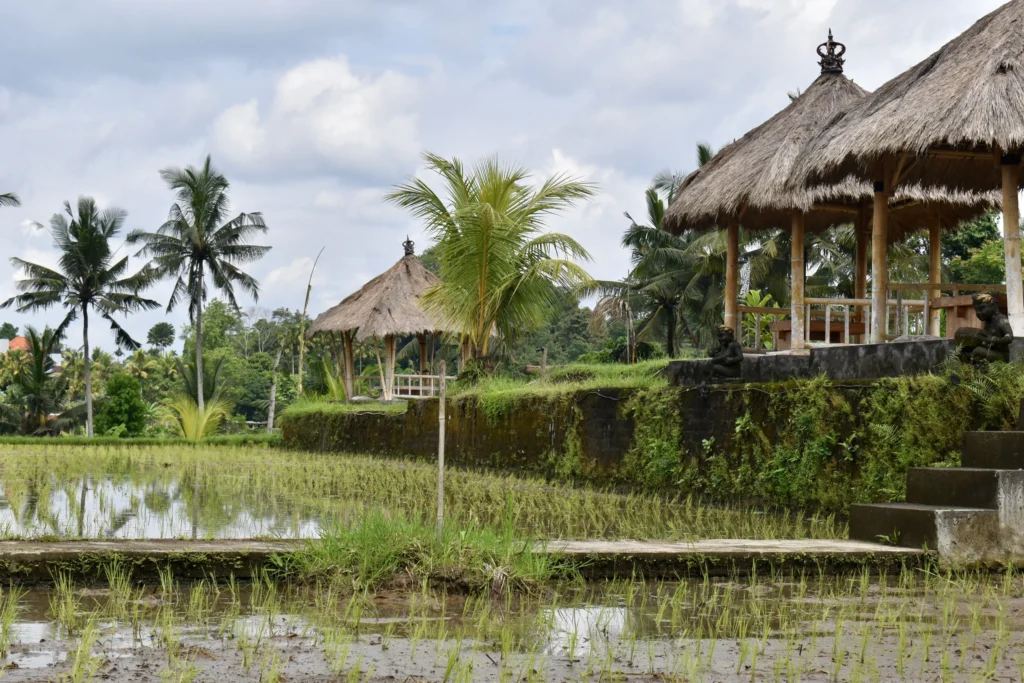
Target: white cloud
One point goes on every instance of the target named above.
(294, 276)
(324, 117)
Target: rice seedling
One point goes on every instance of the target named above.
(134, 489)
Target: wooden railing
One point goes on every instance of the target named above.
(418, 386)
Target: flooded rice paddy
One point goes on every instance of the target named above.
(57, 491)
(916, 626)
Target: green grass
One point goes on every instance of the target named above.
(380, 547)
(317, 404)
(566, 380)
(290, 486)
(248, 439)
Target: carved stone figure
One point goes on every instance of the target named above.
(727, 356)
(990, 343)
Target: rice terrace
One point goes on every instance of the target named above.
(369, 412)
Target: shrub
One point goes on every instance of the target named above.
(124, 412)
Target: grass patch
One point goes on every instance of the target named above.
(237, 440)
(497, 395)
(380, 548)
(307, 405)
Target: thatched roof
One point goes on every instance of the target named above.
(968, 96)
(750, 176)
(388, 304)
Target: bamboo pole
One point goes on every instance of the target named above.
(879, 244)
(798, 274)
(1011, 242)
(934, 321)
(732, 275)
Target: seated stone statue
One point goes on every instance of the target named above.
(990, 343)
(727, 356)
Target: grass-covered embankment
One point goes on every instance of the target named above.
(803, 445)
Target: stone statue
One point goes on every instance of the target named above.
(727, 356)
(988, 344)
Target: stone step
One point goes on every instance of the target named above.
(953, 487)
(993, 450)
(956, 533)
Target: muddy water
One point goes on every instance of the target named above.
(913, 628)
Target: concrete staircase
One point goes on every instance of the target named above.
(969, 514)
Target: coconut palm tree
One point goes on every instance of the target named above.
(140, 364)
(198, 240)
(88, 277)
(37, 394)
(499, 268)
(9, 199)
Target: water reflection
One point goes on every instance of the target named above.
(155, 504)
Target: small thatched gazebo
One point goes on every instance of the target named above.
(956, 120)
(384, 308)
(748, 183)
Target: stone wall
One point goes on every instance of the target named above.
(837, 363)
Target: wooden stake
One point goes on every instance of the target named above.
(879, 244)
(732, 275)
(797, 276)
(1011, 242)
(934, 321)
(440, 449)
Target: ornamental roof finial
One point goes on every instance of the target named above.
(831, 54)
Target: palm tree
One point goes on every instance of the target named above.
(88, 277)
(197, 239)
(140, 364)
(9, 199)
(37, 394)
(499, 268)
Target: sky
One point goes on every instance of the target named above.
(313, 109)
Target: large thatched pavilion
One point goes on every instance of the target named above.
(954, 120)
(748, 184)
(386, 307)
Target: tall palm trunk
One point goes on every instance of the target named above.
(200, 380)
(88, 373)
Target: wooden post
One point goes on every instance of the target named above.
(390, 348)
(879, 244)
(350, 362)
(442, 383)
(1011, 242)
(732, 275)
(934, 315)
(544, 362)
(422, 337)
(860, 281)
(797, 276)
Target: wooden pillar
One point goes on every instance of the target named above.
(422, 337)
(1011, 242)
(350, 362)
(732, 276)
(934, 274)
(860, 275)
(797, 274)
(879, 244)
(389, 351)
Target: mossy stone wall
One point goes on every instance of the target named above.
(807, 444)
